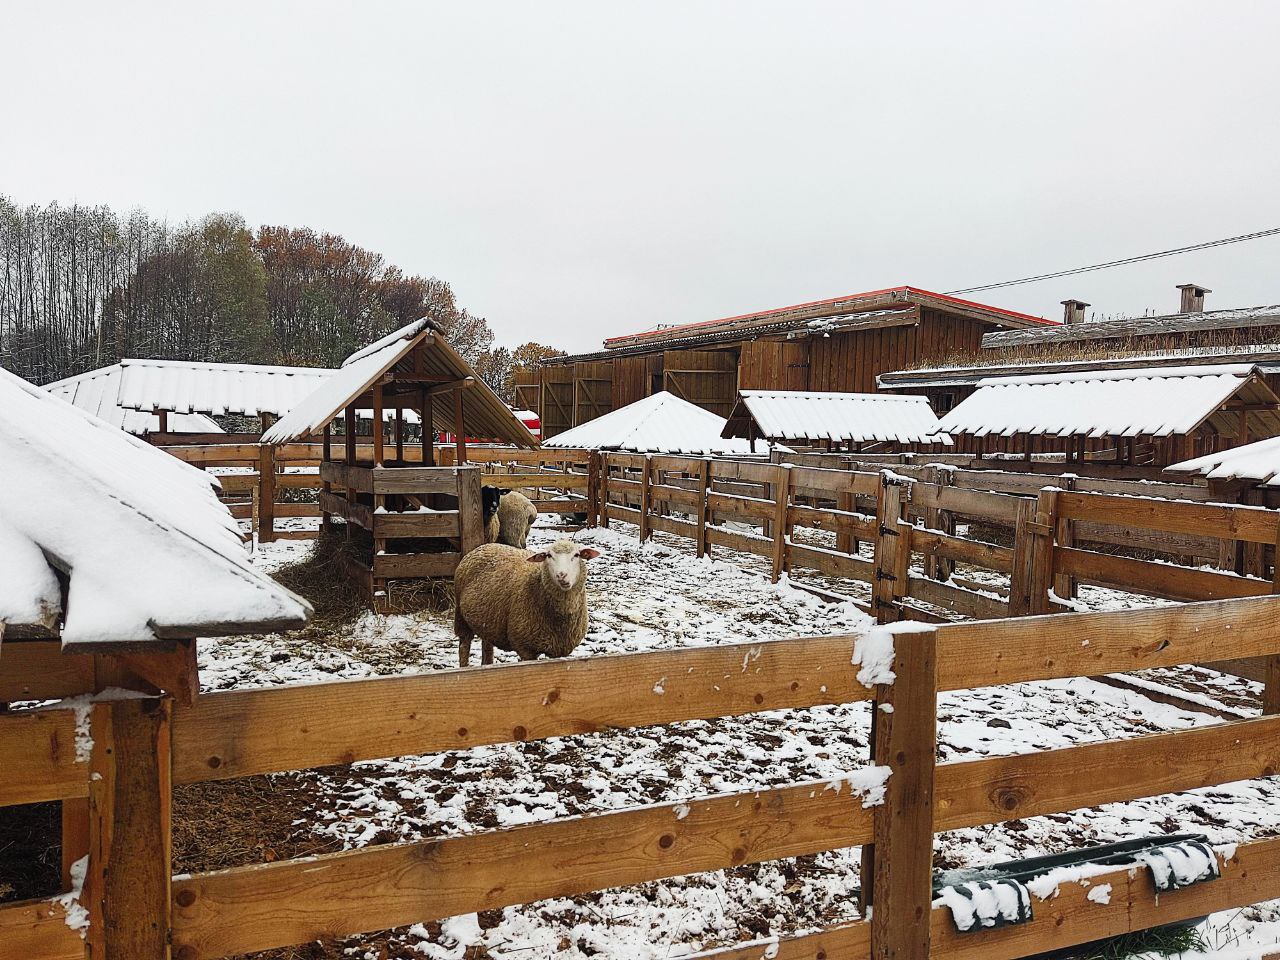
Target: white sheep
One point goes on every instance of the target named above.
(516, 514)
(533, 604)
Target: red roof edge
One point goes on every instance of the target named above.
(818, 303)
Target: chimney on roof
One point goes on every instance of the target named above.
(1073, 311)
(1192, 298)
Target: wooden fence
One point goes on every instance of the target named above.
(136, 749)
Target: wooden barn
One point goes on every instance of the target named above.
(1190, 336)
(419, 518)
(840, 344)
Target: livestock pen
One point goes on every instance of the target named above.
(892, 804)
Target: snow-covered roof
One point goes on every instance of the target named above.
(98, 393)
(660, 423)
(1156, 402)
(143, 548)
(843, 417)
(218, 389)
(1258, 462)
(483, 412)
(1172, 324)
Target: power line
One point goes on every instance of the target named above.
(1120, 263)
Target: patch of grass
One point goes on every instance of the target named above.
(1158, 941)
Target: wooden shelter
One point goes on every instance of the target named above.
(834, 420)
(1145, 415)
(840, 344)
(420, 518)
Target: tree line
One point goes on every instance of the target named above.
(83, 286)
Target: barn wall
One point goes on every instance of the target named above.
(592, 390)
(774, 365)
(557, 399)
(851, 361)
(630, 380)
(708, 378)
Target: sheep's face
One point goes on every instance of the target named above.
(564, 565)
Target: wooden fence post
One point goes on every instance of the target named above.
(1020, 577)
(935, 518)
(700, 533)
(1065, 536)
(604, 490)
(905, 741)
(470, 509)
(1042, 565)
(266, 493)
(645, 501)
(891, 551)
(781, 502)
(127, 882)
(1271, 674)
(593, 488)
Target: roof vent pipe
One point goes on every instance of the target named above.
(1192, 298)
(1073, 311)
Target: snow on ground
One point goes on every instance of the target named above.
(659, 596)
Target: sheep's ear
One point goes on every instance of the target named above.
(538, 557)
(588, 553)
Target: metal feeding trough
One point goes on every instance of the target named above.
(1001, 895)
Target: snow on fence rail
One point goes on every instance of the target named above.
(135, 749)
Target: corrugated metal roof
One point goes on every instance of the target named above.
(484, 414)
(1238, 318)
(98, 393)
(841, 417)
(1156, 402)
(660, 423)
(150, 552)
(217, 389)
(1259, 462)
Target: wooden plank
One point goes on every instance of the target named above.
(750, 507)
(780, 529)
(344, 475)
(906, 736)
(266, 494)
(975, 552)
(1067, 919)
(1155, 579)
(997, 789)
(831, 562)
(667, 494)
(1254, 524)
(890, 550)
(836, 482)
(679, 528)
(948, 596)
(470, 512)
(173, 671)
(746, 543)
(967, 503)
(646, 502)
(438, 523)
(240, 733)
(415, 480)
(237, 911)
(1052, 647)
(845, 522)
(39, 751)
(396, 566)
(356, 513)
(37, 930)
(39, 670)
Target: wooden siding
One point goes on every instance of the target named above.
(557, 399)
(592, 390)
(708, 378)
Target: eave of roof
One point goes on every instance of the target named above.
(906, 294)
(1236, 318)
(970, 375)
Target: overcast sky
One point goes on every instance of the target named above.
(579, 170)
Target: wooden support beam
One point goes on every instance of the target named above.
(646, 502)
(266, 493)
(459, 428)
(377, 426)
(127, 885)
(890, 549)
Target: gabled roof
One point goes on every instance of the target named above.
(1239, 318)
(660, 423)
(483, 412)
(843, 417)
(1155, 402)
(1258, 462)
(888, 297)
(98, 393)
(135, 540)
(218, 389)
